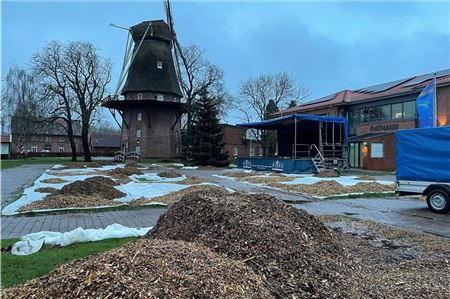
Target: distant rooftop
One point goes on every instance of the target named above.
(389, 89)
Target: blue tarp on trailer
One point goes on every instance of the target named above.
(423, 154)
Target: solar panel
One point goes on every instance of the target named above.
(429, 76)
(323, 99)
(382, 87)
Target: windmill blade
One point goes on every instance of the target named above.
(177, 51)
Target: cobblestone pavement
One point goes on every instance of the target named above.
(14, 180)
(14, 227)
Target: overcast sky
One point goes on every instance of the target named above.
(329, 46)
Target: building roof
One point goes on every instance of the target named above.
(384, 90)
(5, 139)
(45, 127)
(105, 141)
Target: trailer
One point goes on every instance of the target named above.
(423, 165)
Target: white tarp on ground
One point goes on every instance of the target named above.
(152, 177)
(136, 190)
(30, 195)
(33, 242)
(343, 180)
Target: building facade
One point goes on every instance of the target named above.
(43, 139)
(104, 145)
(374, 113)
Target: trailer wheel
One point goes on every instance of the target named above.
(438, 201)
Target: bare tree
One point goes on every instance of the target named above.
(199, 74)
(57, 94)
(21, 107)
(76, 80)
(255, 94)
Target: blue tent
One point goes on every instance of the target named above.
(303, 121)
(304, 130)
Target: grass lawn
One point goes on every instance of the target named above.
(5, 164)
(19, 269)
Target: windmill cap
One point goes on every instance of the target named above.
(158, 30)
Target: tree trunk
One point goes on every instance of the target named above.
(85, 140)
(71, 140)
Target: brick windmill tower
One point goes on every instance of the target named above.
(149, 100)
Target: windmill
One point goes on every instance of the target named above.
(148, 95)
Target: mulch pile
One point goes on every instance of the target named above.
(178, 195)
(81, 165)
(327, 174)
(53, 181)
(169, 174)
(147, 269)
(122, 173)
(45, 190)
(266, 179)
(366, 178)
(294, 254)
(192, 180)
(94, 191)
(330, 188)
(404, 265)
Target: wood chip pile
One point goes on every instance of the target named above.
(169, 174)
(327, 174)
(122, 173)
(266, 179)
(53, 181)
(366, 178)
(178, 195)
(45, 190)
(92, 192)
(293, 253)
(330, 188)
(148, 269)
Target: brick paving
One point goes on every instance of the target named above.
(14, 227)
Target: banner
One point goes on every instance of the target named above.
(425, 106)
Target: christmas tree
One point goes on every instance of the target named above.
(203, 141)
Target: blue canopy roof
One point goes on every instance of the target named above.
(302, 120)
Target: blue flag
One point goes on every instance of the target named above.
(425, 106)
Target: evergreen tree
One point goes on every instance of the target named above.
(292, 103)
(270, 137)
(203, 141)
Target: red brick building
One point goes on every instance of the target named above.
(236, 142)
(105, 145)
(38, 139)
(376, 112)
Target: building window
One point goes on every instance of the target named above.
(409, 109)
(376, 150)
(47, 148)
(235, 151)
(139, 116)
(374, 113)
(138, 133)
(385, 112)
(138, 149)
(61, 148)
(397, 111)
(159, 65)
(160, 97)
(34, 148)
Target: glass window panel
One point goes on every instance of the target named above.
(397, 111)
(365, 115)
(409, 109)
(374, 114)
(385, 112)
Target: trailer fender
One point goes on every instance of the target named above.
(432, 187)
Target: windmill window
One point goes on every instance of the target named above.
(139, 116)
(159, 65)
(160, 97)
(138, 133)
(138, 149)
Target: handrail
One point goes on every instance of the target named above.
(313, 146)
